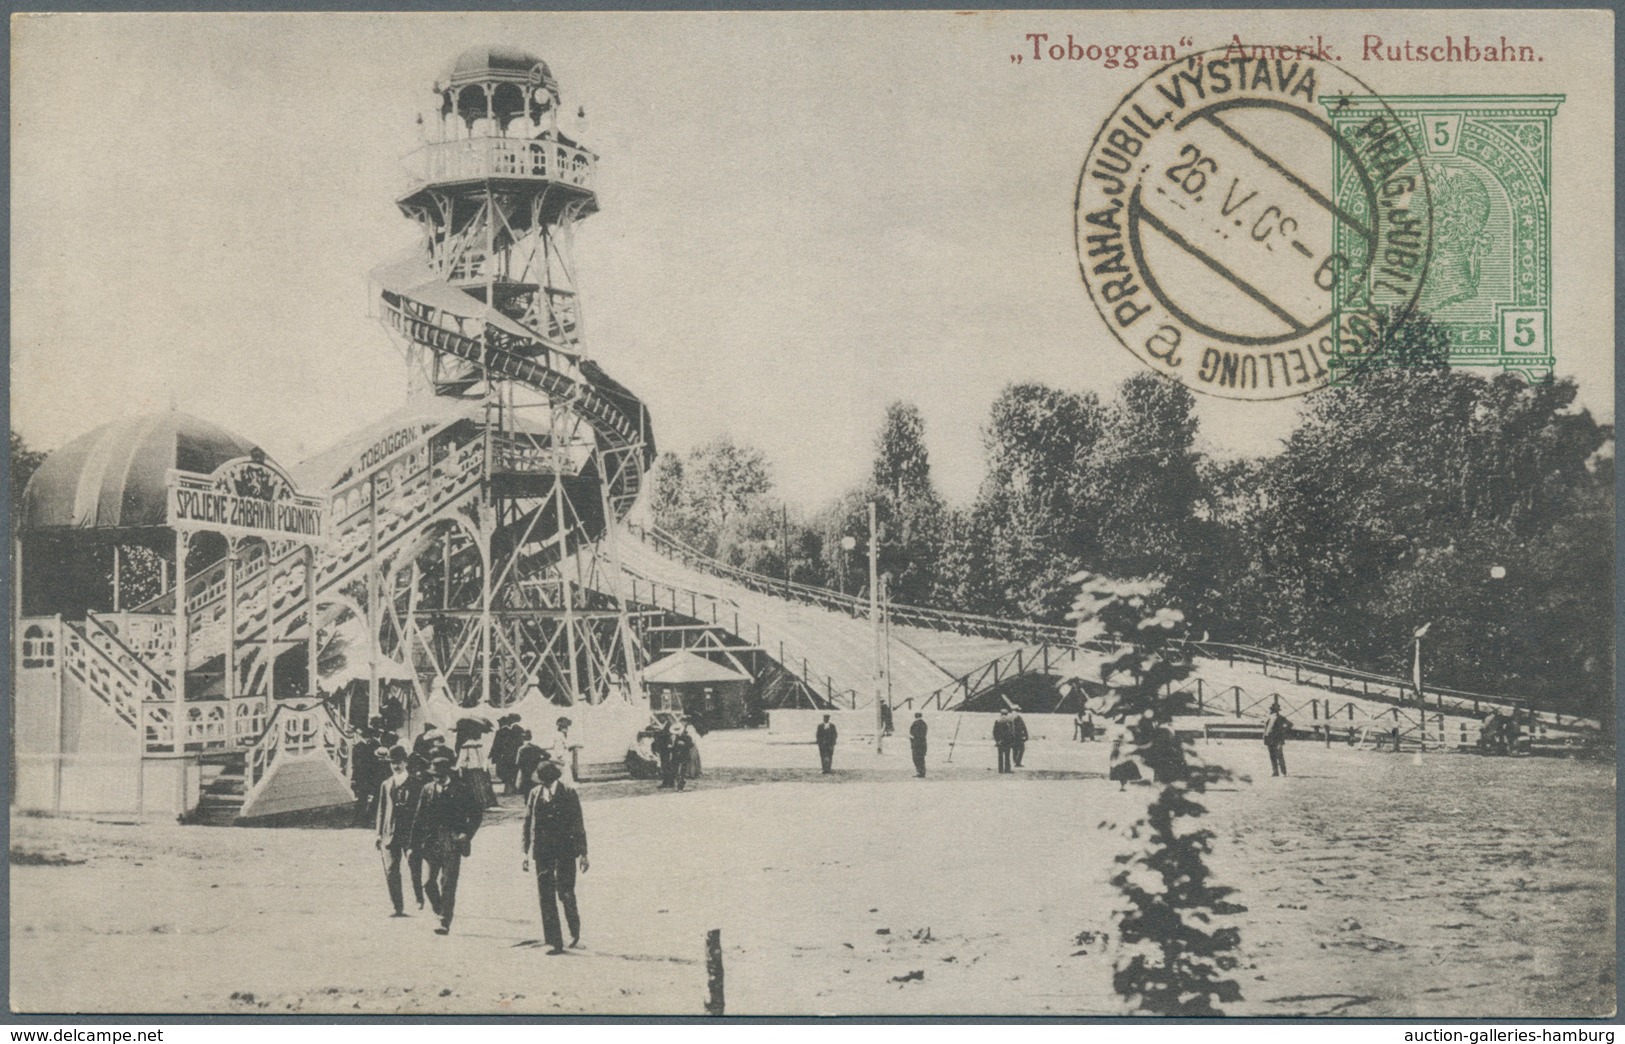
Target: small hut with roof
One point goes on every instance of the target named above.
(708, 693)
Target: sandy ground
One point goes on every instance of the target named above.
(1374, 886)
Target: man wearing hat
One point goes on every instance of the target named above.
(370, 767)
(825, 737)
(397, 800)
(526, 759)
(555, 839)
(1004, 739)
(505, 751)
(444, 823)
(916, 743)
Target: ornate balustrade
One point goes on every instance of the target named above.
(474, 159)
(407, 496)
(97, 668)
(296, 731)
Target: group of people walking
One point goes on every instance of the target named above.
(426, 821)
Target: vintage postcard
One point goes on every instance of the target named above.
(1042, 513)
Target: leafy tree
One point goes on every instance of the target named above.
(1144, 485)
(902, 466)
(704, 499)
(1170, 957)
(1398, 493)
(909, 511)
(1028, 508)
(725, 481)
(846, 519)
(965, 578)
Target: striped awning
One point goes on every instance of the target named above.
(116, 477)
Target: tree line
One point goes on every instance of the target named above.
(1410, 494)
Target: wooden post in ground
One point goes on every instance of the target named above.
(713, 972)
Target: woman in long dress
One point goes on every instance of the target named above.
(471, 761)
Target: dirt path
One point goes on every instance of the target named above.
(1374, 887)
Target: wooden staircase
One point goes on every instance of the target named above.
(222, 795)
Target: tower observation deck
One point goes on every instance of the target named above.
(488, 313)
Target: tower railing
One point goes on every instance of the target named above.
(475, 159)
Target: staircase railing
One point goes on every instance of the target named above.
(435, 489)
(1041, 659)
(530, 360)
(296, 730)
(157, 685)
(96, 668)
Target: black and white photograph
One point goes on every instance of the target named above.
(1055, 513)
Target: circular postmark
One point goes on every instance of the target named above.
(1245, 224)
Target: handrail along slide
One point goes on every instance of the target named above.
(1305, 670)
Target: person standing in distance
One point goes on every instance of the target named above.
(1018, 738)
(682, 753)
(1276, 727)
(448, 814)
(555, 839)
(826, 744)
(1002, 739)
(397, 798)
(916, 743)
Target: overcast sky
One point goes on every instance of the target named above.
(804, 217)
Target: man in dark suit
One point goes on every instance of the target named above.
(1003, 737)
(1276, 730)
(367, 758)
(525, 760)
(1018, 737)
(505, 751)
(448, 814)
(397, 801)
(555, 839)
(826, 744)
(916, 743)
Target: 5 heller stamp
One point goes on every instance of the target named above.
(1488, 166)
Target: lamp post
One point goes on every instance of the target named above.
(874, 619)
(784, 543)
(1421, 698)
(1416, 663)
(850, 543)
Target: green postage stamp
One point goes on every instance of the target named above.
(1488, 161)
